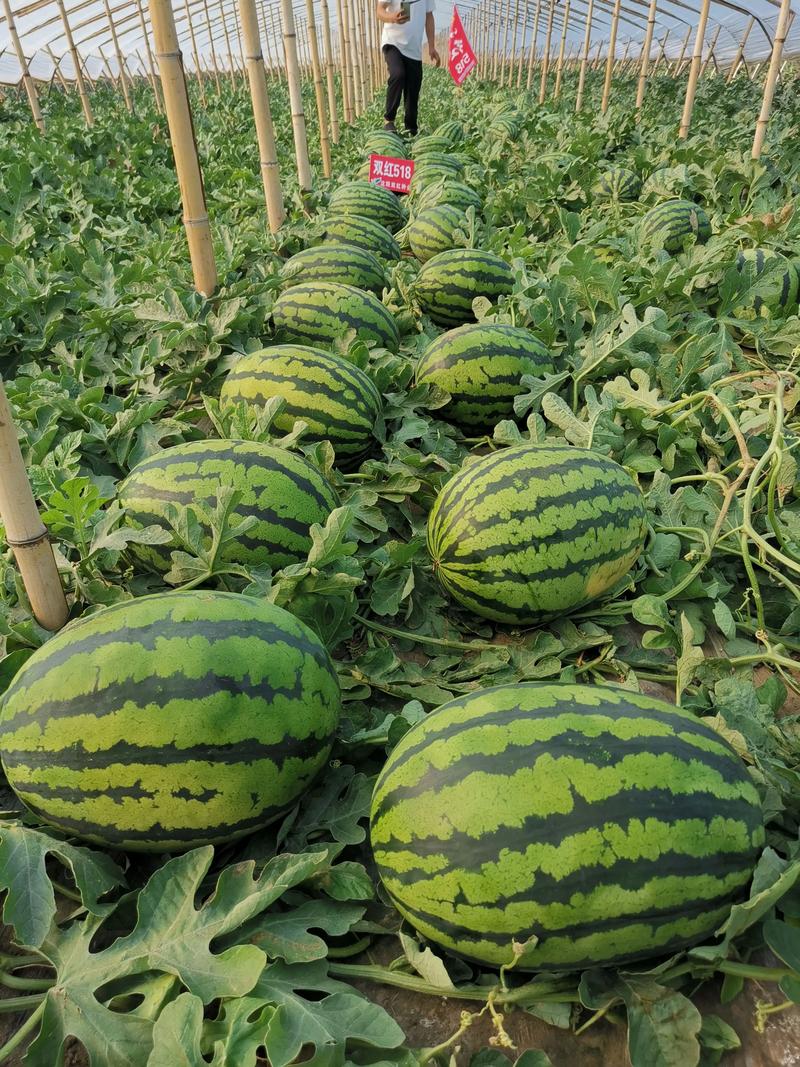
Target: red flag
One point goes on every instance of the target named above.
(462, 59)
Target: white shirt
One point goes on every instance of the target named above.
(407, 37)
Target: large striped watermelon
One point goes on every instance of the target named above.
(481, 366)
(371, 201)
(773, 284)
(436, 230)
(448, 283)
(444, 191)
(170, 721)
(283, 492)
(431, 142)
(451, 132)
(385, 143)
(337, 400)
(322, 312)
(332, 262)
(671, 224)
(363, 233)
(607, 824)
(617, 183)
(535, 530)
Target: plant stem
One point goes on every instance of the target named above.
(24, 1031)
(343, 951)
(12, 982)
(11, 1005)
(423, 639)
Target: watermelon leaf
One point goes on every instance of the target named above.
(30, 905)
(177, 1036)
(663, 1024)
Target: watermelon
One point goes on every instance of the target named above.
(369, 201)
(444, 191)
(481, 365)
(385, 143)
(670, 224)
(442, 160)
(332, 262)
(448, 283)
(451, 132)
(170, 721)
(617, 183)
(535, 530)
(322, 312)
(432, 142)
(363, 233)
(337, 400)
(283, 492)
(773, 284)
(435, 230)
(608, 825)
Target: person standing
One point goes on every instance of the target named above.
(404, 24)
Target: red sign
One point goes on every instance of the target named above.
(391, 173)
(462, 58)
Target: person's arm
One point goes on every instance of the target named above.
(430, 30)
(392, 17)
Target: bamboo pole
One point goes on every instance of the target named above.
(110, 76)
(362, 51)
(612, 45)
(621, 64)
(346, 73)
(25, 532)
(319, 92)
(214, 63)
(661, 52)
(521, 57)
(597, 54)
(546, 52)
(645, 56)
(587, 34)
(485, 49)
(184, 148)
(691, 87)
(784, 18)
(151, 64)
(73, 51)
(496, 22)
(513, 57)
(355, 58)
(561, 51)
(532, 49)
(228, 47)
(295, 97)
(710, 54)
(56, 69)
(27, 80)
(195, 54)
(329, 70)
(123, 80)
(265, 131)
(87, 73)
(737, 59)
(679, 62)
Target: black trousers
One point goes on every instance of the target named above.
(405, 79)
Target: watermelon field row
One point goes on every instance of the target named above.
(434, 588)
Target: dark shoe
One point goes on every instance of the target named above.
(390, 127)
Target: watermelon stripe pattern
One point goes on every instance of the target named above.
(445, 191)
(617, 183)
(337, 399)
(324, 312)
(670, 224)
(340, 263)
(170, 721)
(535, 531)
(774, 284)
(371, 201)
(607, 824)
(481, 365)
(448, 283)
(281, 491)
(435, 230)
(363, 233)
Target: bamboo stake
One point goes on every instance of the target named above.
(612, 45)
(123, 81)
(344, 64)
(532, 50)
(25, 533)
(329, 70)
(110, 76)
(184, 148)
(587, 34)
(295, 97)
(596, 60)
(546, 52)
(661, 52)
(228, 48)
(355, 58)
(710, 54)
(214, 63)
(561, 50)
(620, 65)
(513, 59)
(369, 31)
(87, 73)
(73, 51)
(319, 92)
(772, 77)
(737, 59)
(496, 22)
(265, 131)
(521, 56)
(27, 80)
(57, 69)
(195, 54)
(485, 49)
(151, 65)
(362, 54)
(679, 62)
(754, 71)
(691, 88)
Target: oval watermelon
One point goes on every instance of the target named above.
(371, 201)
(444, 191)
(448, 283)
(535, 531)
(170, 721)
(337, 399)
(617, 183)
(324, 312)
(606, 824)
(436, 230)
(671, 224)
(363, 233)
(773, 284)
(332, 262)
(283, 492)
(481, 365)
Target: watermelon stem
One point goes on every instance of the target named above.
(12, 982)
(27, 1028)
(423, 639)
